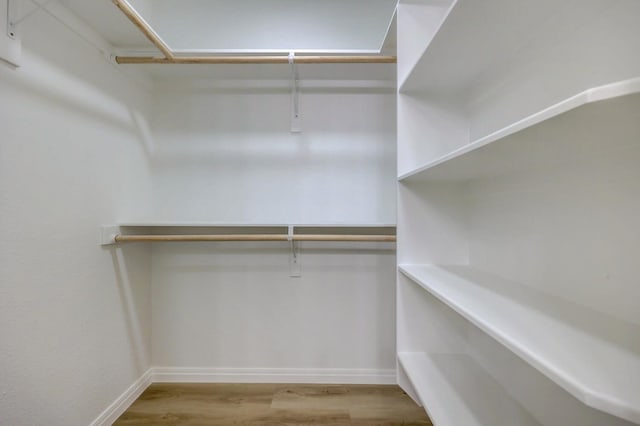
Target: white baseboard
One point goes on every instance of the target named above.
(273, 375)
(120, 405)
(342, 376)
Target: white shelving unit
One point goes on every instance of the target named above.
(518, 153)
(599, 365)
(108, 233)
(456, 52)
(437, 378)
(471, 161)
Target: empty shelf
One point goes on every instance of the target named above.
(456, 391)
(591, 355)
(164, 232)
(465, 47)
(501, 152)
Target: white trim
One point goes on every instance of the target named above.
(274, 375)
(120, 405)
(391, 36)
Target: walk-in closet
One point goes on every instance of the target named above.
(415, 212)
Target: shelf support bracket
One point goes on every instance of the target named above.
(13, 12)
(296, 126)
(108, 235)
(294, 256)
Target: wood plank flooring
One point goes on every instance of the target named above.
(273, 404)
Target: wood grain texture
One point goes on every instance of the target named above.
(273, 404)
(136, 20)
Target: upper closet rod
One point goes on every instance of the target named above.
(255, 237)
(171, 58)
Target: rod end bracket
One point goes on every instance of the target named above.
(108, 234)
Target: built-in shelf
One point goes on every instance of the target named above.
(248, 225)
(421, 20)
(456, 391)
(593, 356)
(494, 153)
(185, 231)
(475, 36)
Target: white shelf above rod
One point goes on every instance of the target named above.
(253, 237)
(170, 57)
(151, 233)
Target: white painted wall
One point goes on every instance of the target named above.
(227, 155)
(233, 309)
(74, 317)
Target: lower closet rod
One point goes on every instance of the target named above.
(253, 237)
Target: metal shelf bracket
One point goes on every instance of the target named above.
(296, 125)
(294, 256)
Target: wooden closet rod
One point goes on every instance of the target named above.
(254, 237)
(144, 28)
(255, 59)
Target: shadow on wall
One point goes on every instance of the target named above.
(63, 71)
(134, 287)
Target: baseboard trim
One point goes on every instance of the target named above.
(342, 376)
(120, 405)
(273, 375)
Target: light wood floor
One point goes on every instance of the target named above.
(265, 404)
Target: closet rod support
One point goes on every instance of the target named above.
(294, 257)
(295, 95)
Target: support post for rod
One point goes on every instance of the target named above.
(296, 125)
(13, 12)
(294, 255)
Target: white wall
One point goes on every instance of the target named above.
(227, 155)
(74, 317)
(234, 309)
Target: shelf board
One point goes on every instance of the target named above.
(420, 21)
(486, 155)
(456, 391)
(465, 47)
(253, 225)
(594, 357)
(198, 231)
